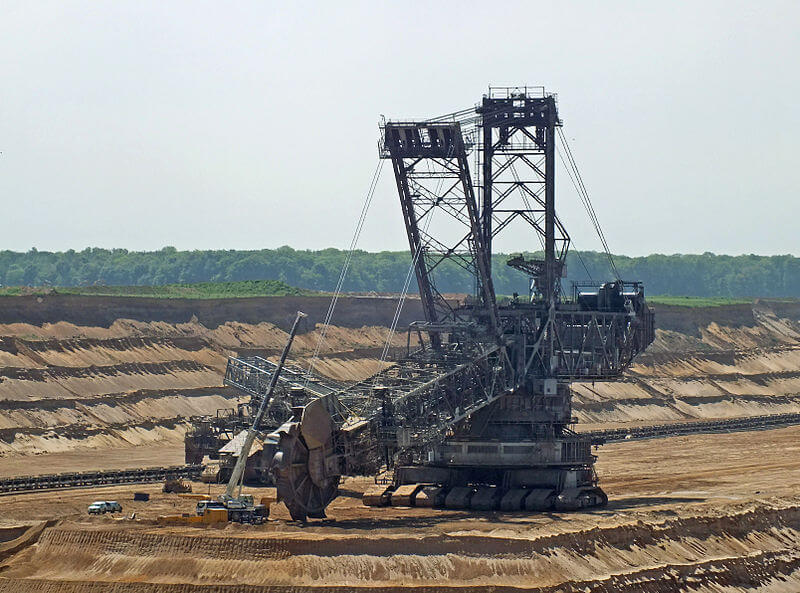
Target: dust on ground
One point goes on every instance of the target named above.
(705, 506)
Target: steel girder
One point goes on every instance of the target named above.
(587, 344)
(518, 178)
(431, 170)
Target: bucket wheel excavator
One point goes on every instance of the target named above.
(479, 415)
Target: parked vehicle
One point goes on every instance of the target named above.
(204, 505)
(101, 507)
(240, 510)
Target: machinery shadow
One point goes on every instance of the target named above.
(344, 492)
(439, 516)
(621, 504)
(435, 518)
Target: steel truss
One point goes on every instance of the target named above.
(431, 170)
(414, 404)
(517, 155)
(589, 344)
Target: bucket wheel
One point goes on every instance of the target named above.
(303, 467)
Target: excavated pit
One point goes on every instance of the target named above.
(134, 383)
(698, 513)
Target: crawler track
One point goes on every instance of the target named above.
(100, 478)
(683, 428)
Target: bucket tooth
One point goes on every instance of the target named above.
(486, 498)
(404, 495)
(459, 497)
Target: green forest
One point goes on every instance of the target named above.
(705, 275)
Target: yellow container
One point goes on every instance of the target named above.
(162, 519)
(215, 516)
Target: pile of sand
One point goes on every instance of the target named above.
(711, 550)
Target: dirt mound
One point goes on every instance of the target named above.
(65, 387)
(705, 513)
(764, 544)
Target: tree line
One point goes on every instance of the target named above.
(704, 275)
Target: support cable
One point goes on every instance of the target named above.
(580, 258)
(401, 301)
(583, 193)
(345, 268)
(576, 250)
(407, 283)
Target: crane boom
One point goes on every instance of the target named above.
(241, 462)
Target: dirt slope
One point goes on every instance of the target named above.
(748, 368)
(126, 384)
(67, 388)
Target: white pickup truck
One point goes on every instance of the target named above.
(100, 507)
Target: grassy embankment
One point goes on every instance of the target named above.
(201, 290)
(681, 301)
(263, 288)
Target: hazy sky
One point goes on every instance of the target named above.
(250, 125)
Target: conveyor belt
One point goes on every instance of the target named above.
(100, 478)
(686, 428)
(253, 373)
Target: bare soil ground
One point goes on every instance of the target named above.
(67, 389)
(153, 454)
(709, 513)
(700, 513)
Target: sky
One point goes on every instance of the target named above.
(249, 125)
